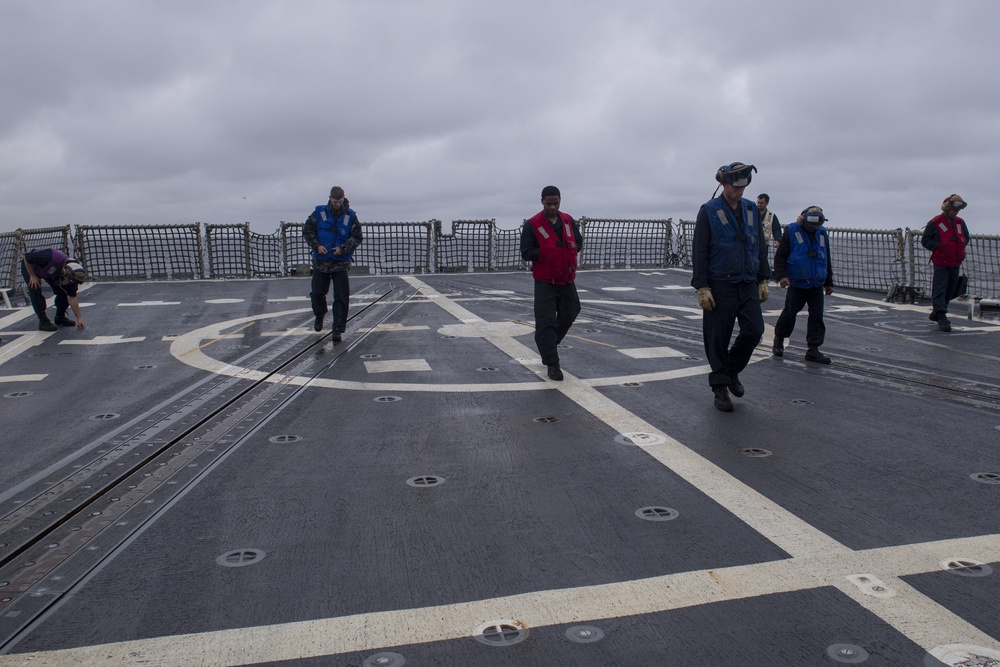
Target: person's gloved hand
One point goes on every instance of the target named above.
(828, 290)
(762, 291)
(705, 299)
(783, 283)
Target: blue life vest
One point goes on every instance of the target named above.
(734, 253)
(807, 258)
(333, 232)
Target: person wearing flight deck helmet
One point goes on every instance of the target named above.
(730, 273)
(946, 237)
(802, 265)
(64, 275)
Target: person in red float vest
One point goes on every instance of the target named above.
(551, 241)
(946, 237)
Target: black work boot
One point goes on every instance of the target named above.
(722, 400)
(813, 354)
(45, 325)
(735, 386)
(944, 324)
(554, 372)
(778, 349)
(318, 324)
(64, 321)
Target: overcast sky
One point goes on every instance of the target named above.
(180, 111)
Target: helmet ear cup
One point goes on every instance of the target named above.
(953, 201)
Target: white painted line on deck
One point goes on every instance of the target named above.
(222, 301)
(23, 378)
(22, 343)
(397, 365)
(387, 327)
(151, 303)
(104, 340)
(370, 631)
(644, 318)
(652, 352)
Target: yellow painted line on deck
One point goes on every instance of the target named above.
(216, 340)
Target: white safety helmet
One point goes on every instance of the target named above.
(74, 271)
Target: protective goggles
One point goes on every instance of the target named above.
(813, 216)
(736, 174)
(956, 202)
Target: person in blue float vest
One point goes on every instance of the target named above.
(802, 265)
(334, 233)
(551, 241)
(730, 272)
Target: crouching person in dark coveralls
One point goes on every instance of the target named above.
(802, 265)
(334, 233)
(64, 275)
(551, 241)
(730, 272)
(946, 237)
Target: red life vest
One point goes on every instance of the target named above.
(556, 261)
(951, 252)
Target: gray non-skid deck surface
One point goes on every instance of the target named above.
(869, 473)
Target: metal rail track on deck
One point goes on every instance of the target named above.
(64, 529)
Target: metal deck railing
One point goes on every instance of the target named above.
(888, 261)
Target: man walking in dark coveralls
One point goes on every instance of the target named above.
(729, 254)
(333, 232)
(803, 266)
(551, 241)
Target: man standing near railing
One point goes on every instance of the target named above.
(333, 232)
(551, 241)
(946, 237)
(730, 272)
(64, 275)
(768, 218)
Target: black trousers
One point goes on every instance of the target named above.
(556, 307)
(341, 296)
(734, 302)
(943, 286)
(38, 299)
(795, 299)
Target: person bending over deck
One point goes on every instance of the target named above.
(64, 275)
(551, 241)
(946, 237)
(802, 265)
(730, 272)
(334, 233)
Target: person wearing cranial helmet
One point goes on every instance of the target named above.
(802, 265)
(333, 231)
(64, 275)
(946, 236)
(730, 273)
